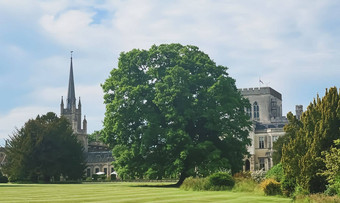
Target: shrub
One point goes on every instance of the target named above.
(242, 174)
(258, 176)
(88, 179)
(317, 198)
(195, 184)
(3, 179)
(221, 181)
(336, 186)
(287, 186)
(276, 173)
(299, 191)
(245, 185)
(94, 177)
(271, 187)
(113, 177)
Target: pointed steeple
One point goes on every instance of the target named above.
(71, 95)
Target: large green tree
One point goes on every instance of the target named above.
(290, 133)
(42, 149)
(170, 111)
(302, 156)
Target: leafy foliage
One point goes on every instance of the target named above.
(44, 148)
(221, 179)
(271, 187)
(242, 174)
(332, 162)
(290, 133)
(302, 156)
(95, 136)
(316, 198)
(171, 111)
(276, 172)
(216, 181)
(333, 189)
(288, 185)
(245, 185)
(3, 179)
(195, 184)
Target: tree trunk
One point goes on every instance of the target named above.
(181, 178)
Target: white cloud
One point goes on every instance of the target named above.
(284, 43)
(17, 117)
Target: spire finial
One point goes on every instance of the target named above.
(71, 53)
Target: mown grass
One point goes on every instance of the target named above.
(121, 192)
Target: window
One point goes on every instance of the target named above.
(274, 108)
(105, 171)
(88, 172)
(111, 170)
(261, 163)
(256, 111)
(97, 170)
(261, 142)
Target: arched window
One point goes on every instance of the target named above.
(256, 111)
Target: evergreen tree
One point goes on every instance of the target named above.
(302, 156)
(44, 148)
(290, 132)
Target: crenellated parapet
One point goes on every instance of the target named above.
(260, 91)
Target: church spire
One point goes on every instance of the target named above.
(71, 95)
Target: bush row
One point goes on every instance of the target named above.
(216, 181)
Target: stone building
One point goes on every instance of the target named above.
(268, 123)
(98, 155)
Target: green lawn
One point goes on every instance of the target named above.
(120, 192)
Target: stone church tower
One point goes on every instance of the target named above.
(73, 114)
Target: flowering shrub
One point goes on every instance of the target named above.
(271, 187)
(258, 176)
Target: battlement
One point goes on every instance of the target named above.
(260, 91)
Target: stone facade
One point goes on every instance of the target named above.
(268, 123)
(98, 155)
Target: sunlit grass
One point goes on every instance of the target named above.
(121, 192)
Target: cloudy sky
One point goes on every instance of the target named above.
(293, 46)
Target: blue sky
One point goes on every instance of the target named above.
(293, 46)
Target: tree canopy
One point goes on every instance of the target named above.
(290, 133)
(302, 158)
(42, 149)
(170, 111)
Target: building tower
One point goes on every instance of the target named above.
(298, 111)
(265, 112)
(72, 113)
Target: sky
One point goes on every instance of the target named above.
(292, 46)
